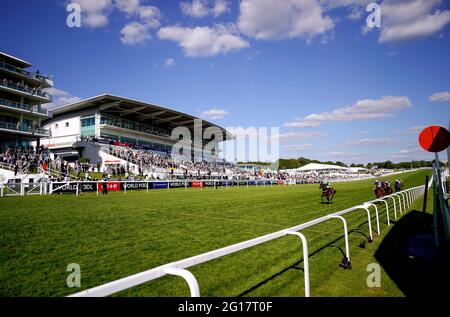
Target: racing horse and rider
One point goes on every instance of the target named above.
(398, 185)
(378, 189)
(387, 187)
(382, 188)
(327, 191)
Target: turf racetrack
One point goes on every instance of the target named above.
(117, 235)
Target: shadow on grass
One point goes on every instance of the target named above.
(295, 266)
(410, 258)
(331, 244)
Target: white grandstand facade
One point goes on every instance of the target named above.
(122, 122)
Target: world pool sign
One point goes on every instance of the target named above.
(79, 187)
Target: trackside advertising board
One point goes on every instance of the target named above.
(71, 187)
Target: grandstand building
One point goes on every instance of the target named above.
(22, 97)
(83, 128)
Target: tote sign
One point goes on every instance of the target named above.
(434, 139)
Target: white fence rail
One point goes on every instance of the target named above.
(76, 187)
(179, 268)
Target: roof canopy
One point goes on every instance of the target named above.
(138, 111)
(14, 60)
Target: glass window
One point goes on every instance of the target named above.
(87, 122)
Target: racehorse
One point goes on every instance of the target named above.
(379, 191)
(398, 185)
(387, 189)
(327, 192)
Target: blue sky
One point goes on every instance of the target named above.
(336, 89)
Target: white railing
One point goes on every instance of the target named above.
(179, 268)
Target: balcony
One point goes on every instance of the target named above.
(23, 107)
(23, 90)
(134, 126)
(26, 130)
(39, 79)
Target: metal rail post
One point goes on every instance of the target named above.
(305, 259)
(395, 207)
(347, 248)
(387, 210)
(376, 215)
(399, 202)
(404, 201)
(188, 277)
(408, 198)
(368, 219)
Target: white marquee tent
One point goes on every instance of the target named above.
(318, 167)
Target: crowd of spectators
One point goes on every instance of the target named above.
(24, 159)
(145, 164)
(22, 86)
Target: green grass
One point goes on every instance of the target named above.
(121, 234)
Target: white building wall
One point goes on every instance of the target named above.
(63, 133)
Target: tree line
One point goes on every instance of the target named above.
(302, 161)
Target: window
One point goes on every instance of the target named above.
(87, 122)
(67, 124)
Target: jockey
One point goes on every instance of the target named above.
(377, 184)
(386, 182)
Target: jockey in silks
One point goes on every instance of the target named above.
(387, 185)
(397, 185)
(325, 186)
(377, 184)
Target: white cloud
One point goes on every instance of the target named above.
(128, 6)
(138, 32)
(338, 154)
(60, 98)
(150, 15)
(94, 13)
(196, 8)
(290, 136)
(274, 19)
(370, 141)
(204, 41)
(220, 7)
(169, 62)
(409, 154)
(299, 147)
(440, 97)
(332, 4)
(401, 19)
(135, 33)
(362, 110)
(214, 114)
(415, 129)
(202, 8)
(405, 20)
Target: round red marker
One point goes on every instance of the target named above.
(434, 139)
